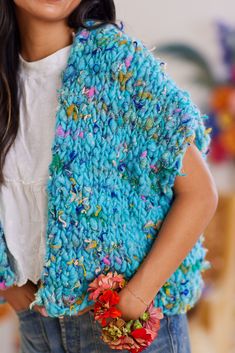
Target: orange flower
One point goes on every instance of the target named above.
(105, 308)
(109, 298)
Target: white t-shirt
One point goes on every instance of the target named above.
(23, 201)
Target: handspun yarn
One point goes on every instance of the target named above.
(122, 128)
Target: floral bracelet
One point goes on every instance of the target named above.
(132, 335)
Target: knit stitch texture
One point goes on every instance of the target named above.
(122, 129)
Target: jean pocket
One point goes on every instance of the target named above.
(179, 333)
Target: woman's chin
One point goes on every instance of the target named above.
(47, 9)
(50, 8)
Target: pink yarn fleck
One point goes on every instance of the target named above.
(91, 92)
(106, 261)
(84, 33)
(2, 285)
(128, 61)
(60, 132)
(144, 154)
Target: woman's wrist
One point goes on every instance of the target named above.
(142, 285)
(137, 296)
(130, 306)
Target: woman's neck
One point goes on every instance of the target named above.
(39, 40)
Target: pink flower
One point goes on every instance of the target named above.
(153, 322)
(103, 282)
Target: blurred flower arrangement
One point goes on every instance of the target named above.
(222, 99)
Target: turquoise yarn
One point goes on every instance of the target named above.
(122, 128)
(7, 276)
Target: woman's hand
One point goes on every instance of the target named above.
(130, 306)
(20, 297)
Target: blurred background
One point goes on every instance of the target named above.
(196, 40)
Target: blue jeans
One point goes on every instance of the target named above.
(81, 334)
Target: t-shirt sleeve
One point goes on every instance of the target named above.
(168, 116)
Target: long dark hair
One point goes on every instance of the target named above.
(101, 10)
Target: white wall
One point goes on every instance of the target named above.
(193, 22)
(156, 21)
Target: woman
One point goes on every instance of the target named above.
(124, 136)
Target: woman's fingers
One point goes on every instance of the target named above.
(30, 290)
(40, 309)
(20, 298)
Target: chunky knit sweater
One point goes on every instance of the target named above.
(122, 128)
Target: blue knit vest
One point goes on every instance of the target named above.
(122, 128)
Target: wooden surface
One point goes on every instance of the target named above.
(215, 312)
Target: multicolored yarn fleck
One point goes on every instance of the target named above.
(122, 129)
